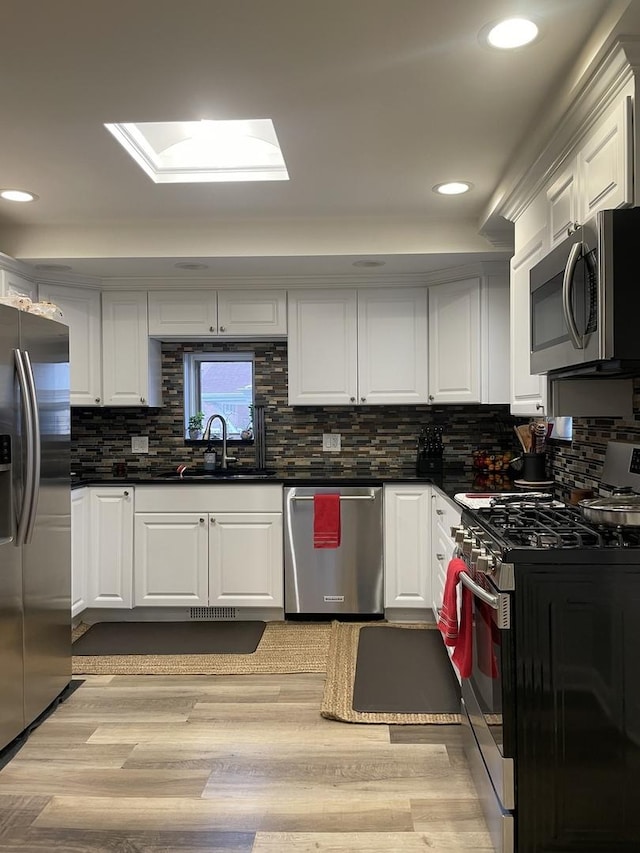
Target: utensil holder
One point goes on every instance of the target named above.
(533, 467)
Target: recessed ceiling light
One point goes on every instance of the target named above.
(204, 151)
(511, 33)
(453, 188)
(53, 267)
(365, 263)
(17, 195)
(188, 265)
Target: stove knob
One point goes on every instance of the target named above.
(485, 563)
(460, 535)
(476, 553)
(467, 544)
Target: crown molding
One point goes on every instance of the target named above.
(578, 110)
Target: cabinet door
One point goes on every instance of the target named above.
(252, 313)
(528, 391)
(12, 284)
(445, 515)
(245, 559)
(562, 204)
(171, 560)
(454, 342)
(392, 346)
(81, 312)
(407, 551)
(186, 313)
(322, 347)
(605, 163)
(79, 549)
(130, 360)
(110, 575)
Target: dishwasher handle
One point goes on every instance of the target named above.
(342, 497)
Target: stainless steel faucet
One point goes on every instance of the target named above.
(207, 437)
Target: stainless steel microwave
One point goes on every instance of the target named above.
(585, 300)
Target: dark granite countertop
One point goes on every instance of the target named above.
(450, 480)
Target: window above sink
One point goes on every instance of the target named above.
(220, 383)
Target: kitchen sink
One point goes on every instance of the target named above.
(230, 474)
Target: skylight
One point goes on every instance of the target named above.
(204, 151)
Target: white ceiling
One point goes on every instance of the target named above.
(374, 102)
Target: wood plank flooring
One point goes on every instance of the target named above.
(143, 764)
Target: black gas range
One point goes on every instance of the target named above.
(551, 709)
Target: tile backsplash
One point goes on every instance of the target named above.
(579, 464)
(375, 439)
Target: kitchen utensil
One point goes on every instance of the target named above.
(539, 436)
(524, 434)
(621, 509)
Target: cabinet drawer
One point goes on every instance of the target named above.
(226, 497)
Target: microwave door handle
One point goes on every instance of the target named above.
(567, 288)
(499, 602)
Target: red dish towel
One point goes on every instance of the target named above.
(326, 521)
(458, 636)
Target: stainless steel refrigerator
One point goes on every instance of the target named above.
(35, 529)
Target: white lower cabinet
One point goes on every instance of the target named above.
(171, 559)
(209, 545)
(110, 571)
(79, 549)
(407, 550)
(445, 514)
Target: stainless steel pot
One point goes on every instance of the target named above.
(622, 509)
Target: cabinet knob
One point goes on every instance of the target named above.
(439, 512)
(431, 398)
(212, 328)
(212, 520)
(97, 399)
(363, 399)
(353, 399)
(223, 328)
(440, 556)
(202, 521)
(142, 400)
(126, 494)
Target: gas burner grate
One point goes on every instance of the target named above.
(547, 526)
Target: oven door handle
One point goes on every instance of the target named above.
(500, 603)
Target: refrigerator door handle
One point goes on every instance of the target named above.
(35, 435)
(27, 487)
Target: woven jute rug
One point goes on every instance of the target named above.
(337, 702)
(285, 647)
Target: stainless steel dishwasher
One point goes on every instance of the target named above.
(344, 580)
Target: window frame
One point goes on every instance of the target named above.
(192, 387)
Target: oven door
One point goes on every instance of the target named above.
(488, 713)
(564, 304)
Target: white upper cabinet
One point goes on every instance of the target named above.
(469, 340)
(562, 201)
(222, 313)
(528, 391)
(392, 346)
(362, 347)
(81, 312)
(12, 284)
(605, 163)
(131, 373)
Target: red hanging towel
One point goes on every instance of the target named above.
(326, 521)
(458, 636)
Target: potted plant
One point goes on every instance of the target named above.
(247, 432)
(195, 425)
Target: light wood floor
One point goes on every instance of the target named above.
(143, 764)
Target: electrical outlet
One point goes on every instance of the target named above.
(139, 443)
(331, 441)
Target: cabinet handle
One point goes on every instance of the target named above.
(126, 494)
(97, 399)
(352, 399)
(212, 328)
(223, 328)
(202, 521)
